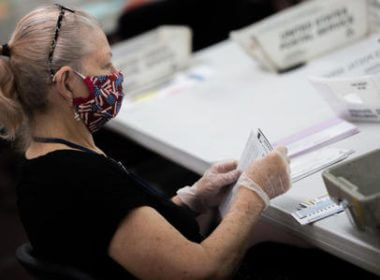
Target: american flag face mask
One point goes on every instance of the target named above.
(104, 100)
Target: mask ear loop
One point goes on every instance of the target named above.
(76, 114)
(79, 74)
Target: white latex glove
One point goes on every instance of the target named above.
(209, 190)
(269, 176)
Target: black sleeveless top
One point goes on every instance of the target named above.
(71, 203)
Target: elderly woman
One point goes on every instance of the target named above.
(82, 208)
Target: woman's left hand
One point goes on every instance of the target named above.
(209, 190)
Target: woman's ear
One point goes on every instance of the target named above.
(64, 82)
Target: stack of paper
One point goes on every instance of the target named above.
(153, 57)
(310, 163)
(257, 147)
(318, 135)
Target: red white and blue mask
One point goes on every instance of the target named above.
(104, 100)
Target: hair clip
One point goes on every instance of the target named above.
(65, 8)
(6, 51)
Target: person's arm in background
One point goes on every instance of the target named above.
(150, 248)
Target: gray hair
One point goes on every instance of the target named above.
(25, 77)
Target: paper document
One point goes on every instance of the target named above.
(352, 98)
(305, 31)
(307, 164)
(316, 136)
(256, 147)
(153, 57)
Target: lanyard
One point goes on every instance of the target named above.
(64, 142)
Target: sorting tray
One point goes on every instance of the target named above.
(356, 184)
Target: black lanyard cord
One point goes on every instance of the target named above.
(64, 142)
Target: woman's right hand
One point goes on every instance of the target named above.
(271, 173)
